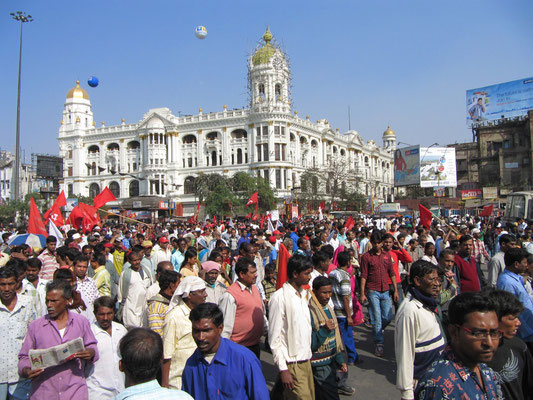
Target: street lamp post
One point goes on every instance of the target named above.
(22, 18)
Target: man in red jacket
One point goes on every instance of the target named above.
(397, 254)
(470, 277)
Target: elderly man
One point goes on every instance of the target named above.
(178, 343)
(66, 380)
(214, 288)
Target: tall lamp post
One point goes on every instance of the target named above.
(22, 18)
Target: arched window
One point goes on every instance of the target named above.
(188, 185)
(93, 150)
(189, 139)
(277, 89)
(94, 190)
(134, 145)
(134, 188)
(239, 156)
(261, 89)
(115, 189)
(113, 146)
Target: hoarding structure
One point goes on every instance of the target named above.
(509, 99)
(407, 166)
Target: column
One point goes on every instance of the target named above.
(200, 149)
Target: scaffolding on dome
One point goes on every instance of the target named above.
(274, 43)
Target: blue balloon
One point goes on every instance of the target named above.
(93, 81)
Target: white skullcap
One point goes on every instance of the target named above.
(187, 285)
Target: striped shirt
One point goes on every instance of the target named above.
(102, 278)
(49, 266)
(157, 310)
(341, 287)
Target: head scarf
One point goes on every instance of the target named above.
(210, 265)
(187, 285)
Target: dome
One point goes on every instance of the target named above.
(389, 132)
(265, 53)
(77, 92)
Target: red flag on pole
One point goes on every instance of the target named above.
(104, 197)
(350, 223)
(262, 221)
(197, 212)
(61, 201)
(322, 205)
(75, 218)
(35, 223)
(252, 200)
(282, 260)
(56, 216)
(487, 211)
(90, 216)
(425, 216)
(249, 215)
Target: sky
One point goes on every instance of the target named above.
(403, 63)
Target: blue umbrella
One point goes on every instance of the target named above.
(30, 239)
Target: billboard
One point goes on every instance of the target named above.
(471, 194)
(49, 166)
(510, 99)
(407, 166)
(437, 167)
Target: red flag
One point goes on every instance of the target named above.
(75, 218)
(487, 211)
(191, 220)
(56, 216)
(197, 212)
(104, 197)
(90, 216)
(214, 219)
(262, 221)
(252, 200)
(281, 263)
(61, 201)
(425, 216)
(249, 215)
(322, 205)
(350, 223)
(35, 223)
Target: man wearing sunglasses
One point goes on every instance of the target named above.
(461, 371)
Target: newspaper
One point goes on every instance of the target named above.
(44, 358)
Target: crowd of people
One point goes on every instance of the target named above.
(180, 310)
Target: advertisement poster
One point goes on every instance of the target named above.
(471, 194)
(406, 166)
(437, 167)
(510, 99)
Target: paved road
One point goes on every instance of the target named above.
(374, 378)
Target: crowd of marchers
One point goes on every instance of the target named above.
(184, 310)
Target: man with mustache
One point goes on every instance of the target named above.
(220, 368)
(461, 371)
(418, 337)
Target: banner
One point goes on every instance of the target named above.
(509, 99)
(471, 194)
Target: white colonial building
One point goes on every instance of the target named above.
(162, 153)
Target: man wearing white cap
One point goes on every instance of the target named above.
(178, 343)
(214, 288)
(163, 253)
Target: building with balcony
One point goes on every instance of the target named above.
(162, 154)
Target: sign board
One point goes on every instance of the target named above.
(437, 167)
(137, 204)
(274, 215)
(407, 166)
(509, 99)
(163, 205)
(471, 194)
(71, 203)
(490, 192)
(439, 191)
(511, 165)
(294, 212)
(387, 208)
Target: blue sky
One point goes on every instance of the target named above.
(403, 63)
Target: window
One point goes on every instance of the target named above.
(134, 188)
(188, 185)
(214, 158)
(70, 189)
(258, 153)
(261, 89)
(189, 162)
(283, 151)
(94, 190)
(258, 132)
(265, 152)
(239, 156)
(277, 151)
(277, 89)
(506, 144)
(70, 171)
(278, 179)
(69, 154)
(115, 189)
(265, 131)
(276, 130)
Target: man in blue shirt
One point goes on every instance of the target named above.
(512, 281)
(219, 368)
(461, 371)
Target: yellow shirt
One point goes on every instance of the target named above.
(187, 272)
(178, 344)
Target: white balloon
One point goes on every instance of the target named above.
(200, 32)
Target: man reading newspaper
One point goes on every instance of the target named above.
(68, 343)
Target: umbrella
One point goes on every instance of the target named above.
(30, 239)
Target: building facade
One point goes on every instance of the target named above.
(162, 154)
(7, 169)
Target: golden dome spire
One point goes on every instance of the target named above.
(389, 132)
(263, 55)
(77, 92)
(267, 36)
